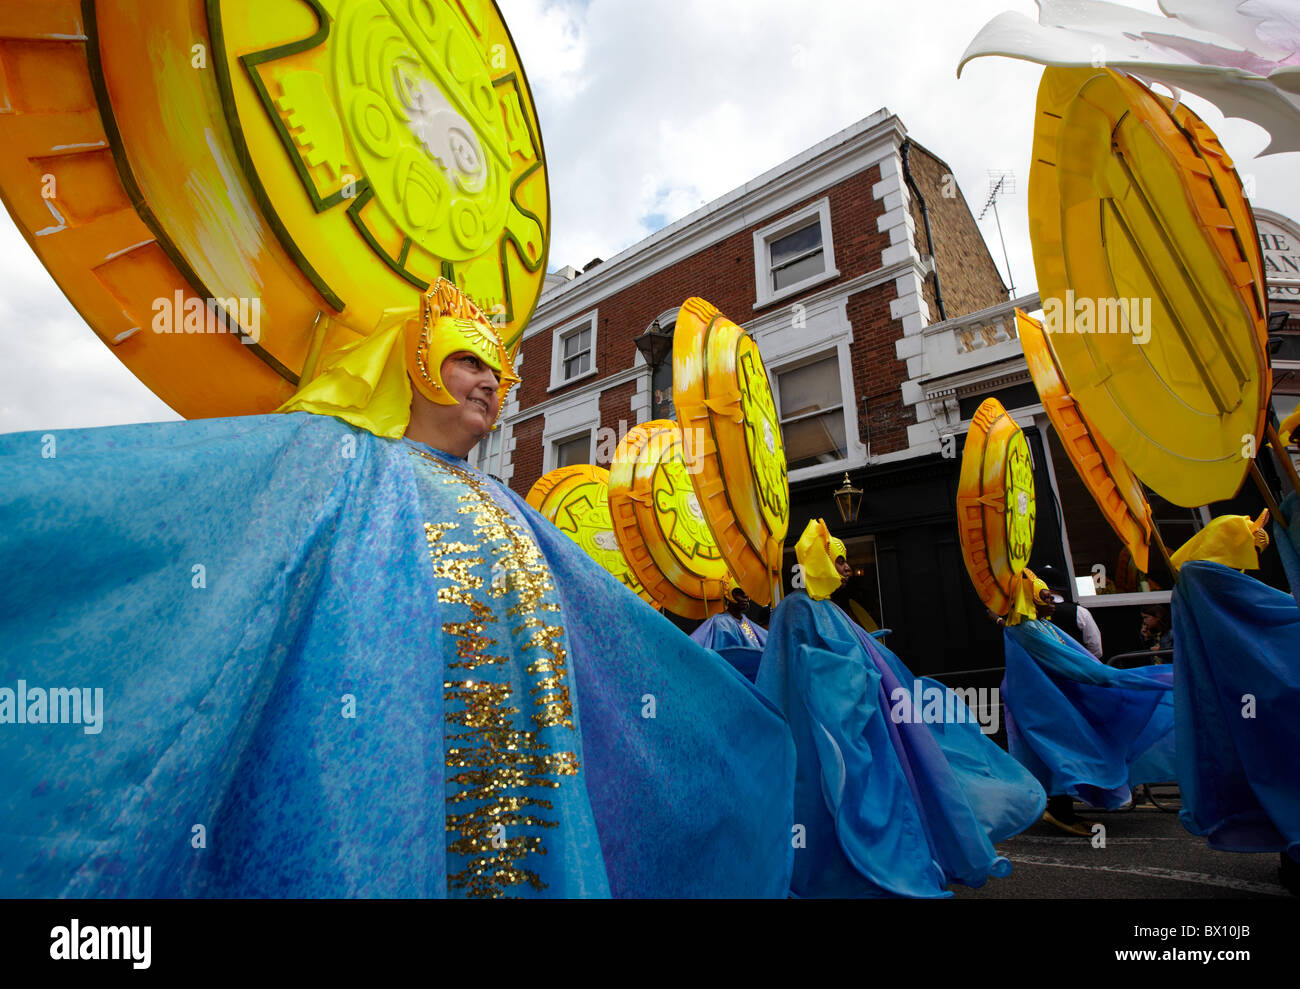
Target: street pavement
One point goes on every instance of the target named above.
(1146, 854)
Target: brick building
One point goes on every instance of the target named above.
(836, 262)
(859, 270)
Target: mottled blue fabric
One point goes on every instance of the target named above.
(1237, 690)
(257, 600)
(1081, 727)
(886, 806)
(723, 634)
(1288, 542)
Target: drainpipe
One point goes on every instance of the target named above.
(925, 216)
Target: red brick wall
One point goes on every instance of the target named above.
(968, 278)
(723, 274)
(528, 455)
(615, 411)
(877, 373)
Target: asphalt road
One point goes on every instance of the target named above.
(1147, 854)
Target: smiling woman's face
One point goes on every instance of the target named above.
(456, 428)
(473, 384)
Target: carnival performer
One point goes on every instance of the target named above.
(1085, 730)
(885, 804)
(319, 654)
(731, 634)
(1288, 542)
(1237, 691)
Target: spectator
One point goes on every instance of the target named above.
(1068, 616)
(1156, 631)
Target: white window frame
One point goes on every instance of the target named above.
(765, 294)
(492, 460)
(846, 388)
(553, 461)
(558, 380)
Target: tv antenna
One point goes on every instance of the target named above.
(1000, 183)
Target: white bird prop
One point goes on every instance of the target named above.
(1241, 55)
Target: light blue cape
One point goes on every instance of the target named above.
(886, 808)
(723, 634)
(256, 599)
(1081, 727)
(1237, 687)
(1288, 543)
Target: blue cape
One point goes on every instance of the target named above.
(888, 806)
(1288, 542)
(338, 665)
(1081, 727)
(1237, 687)
(723, 635)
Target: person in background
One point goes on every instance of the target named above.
(891, 797)
(1157, 630)
(731, 635)
(1068, 616)
(1086, 731)
(1237, 689)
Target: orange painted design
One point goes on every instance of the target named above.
(1112, 485)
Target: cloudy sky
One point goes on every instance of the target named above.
(649, 109)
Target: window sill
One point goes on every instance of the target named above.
(798, 287)
(1130, 599)
(814, 471)
(557, 385)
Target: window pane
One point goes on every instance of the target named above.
(817, 440)
(576, 343)
(800, 242)
(661, 392)
(577, 365)
(813, 264)
(809, 388)
(572, 451)
(488, 448)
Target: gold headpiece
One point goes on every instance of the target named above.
(729, 588)
(366, 382)
(1232, 540)
(817, 551)
(1027, 591)
(449, 322)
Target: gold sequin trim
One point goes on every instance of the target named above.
(494, 762)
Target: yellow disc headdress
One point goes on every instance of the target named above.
(227, 232)
(996, 511)
(366, 383)
(816, 552)
(732, 444)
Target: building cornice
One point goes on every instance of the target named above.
(986, 377)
